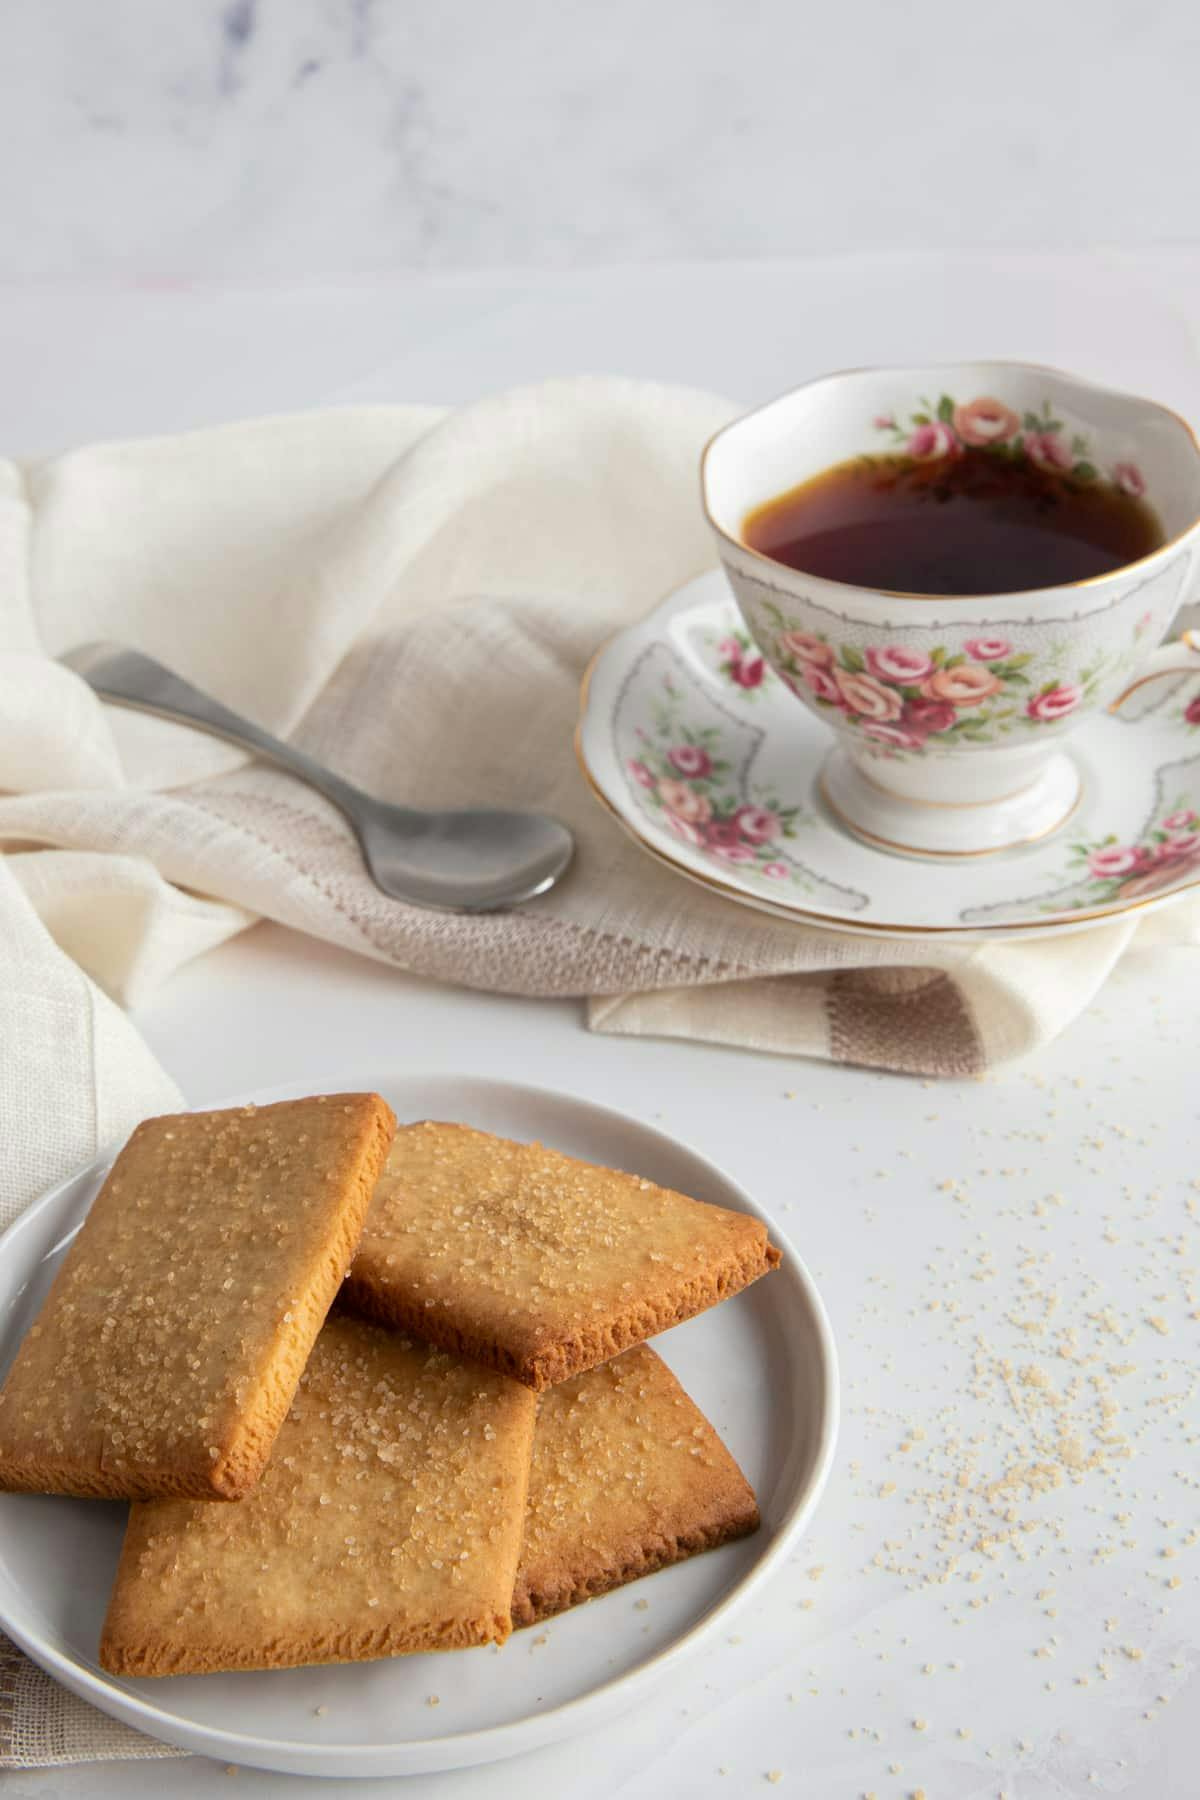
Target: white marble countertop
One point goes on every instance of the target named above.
(241, 138)
(1010, 1264)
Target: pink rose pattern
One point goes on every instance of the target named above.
(901, 697)
(1055, 702)
(935, 431)
(893, 662)
(684, 781)
(930, 441)
(1129, 479)
(930, 715)
(1168, 852)
(757, 824)
(962, 684)
(823, 684)
(865, 698)
(806, 649)
(684, 801)
(1050, 451)
(741, 662)
(986, 650)
(985, 421)
(688, 760)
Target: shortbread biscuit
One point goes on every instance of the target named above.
(628, 1476)
(388, 1521)
(169, 1347)
(533, 1263)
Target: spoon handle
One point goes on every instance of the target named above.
(128, 678)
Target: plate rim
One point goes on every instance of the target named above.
(798, 914)
(487, 1743)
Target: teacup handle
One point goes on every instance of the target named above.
(1180, 657)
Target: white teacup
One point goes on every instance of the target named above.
(950, 711)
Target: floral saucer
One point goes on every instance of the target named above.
(710, 764)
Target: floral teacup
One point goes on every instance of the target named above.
(950, 712)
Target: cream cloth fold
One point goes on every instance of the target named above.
(412, 596)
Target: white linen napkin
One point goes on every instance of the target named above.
(413, 597)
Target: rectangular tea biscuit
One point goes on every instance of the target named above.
(388, 1521)
(169, 1347)
(628, 1476)
(534, 1263)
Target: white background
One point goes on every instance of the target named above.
(200, 225)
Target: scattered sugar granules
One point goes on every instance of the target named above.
(1051, 1373)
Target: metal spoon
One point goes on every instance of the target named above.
(471, 861)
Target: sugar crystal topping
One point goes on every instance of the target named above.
(458, 1209)
(624, 1433)
(189, 1273)
(384, 1494)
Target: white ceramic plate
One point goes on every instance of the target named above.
(762, 1367)
(677, 748)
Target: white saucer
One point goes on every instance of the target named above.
(762, 1367)
(721, 781)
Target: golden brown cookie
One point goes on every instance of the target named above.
(534, 1263)
(388, 1521)
(628, 1476)
(169, 1347)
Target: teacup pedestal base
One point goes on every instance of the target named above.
(869, 803)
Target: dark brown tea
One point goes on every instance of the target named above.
(972, 523)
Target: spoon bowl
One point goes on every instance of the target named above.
(477, 859)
